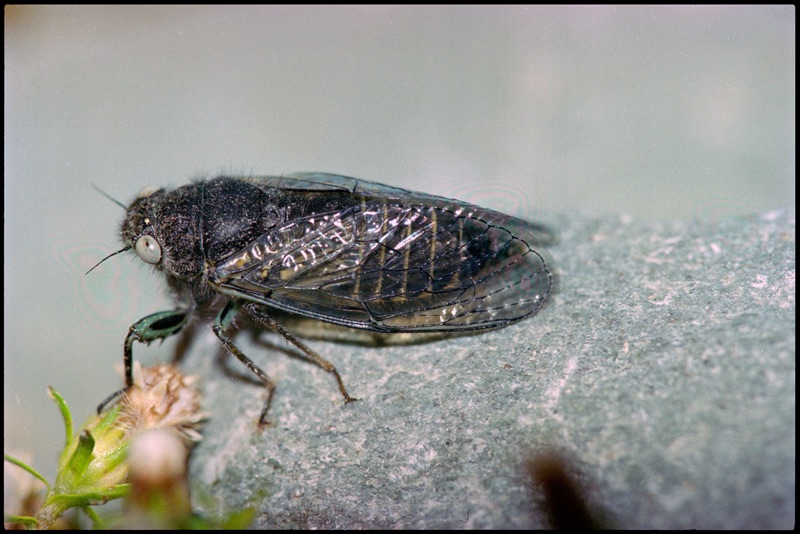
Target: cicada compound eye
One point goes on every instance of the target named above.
(148, 249)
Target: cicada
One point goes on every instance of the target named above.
(332, 248)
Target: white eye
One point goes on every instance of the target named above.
(148, 249)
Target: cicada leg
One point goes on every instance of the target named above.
(159, 325)
(312, 356)
(224, 320)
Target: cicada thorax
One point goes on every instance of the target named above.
(233, 213)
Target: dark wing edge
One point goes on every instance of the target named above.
(321, 181)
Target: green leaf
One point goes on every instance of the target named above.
(26, 467)
(65, 413)
(24, 520)
(83, 454)
(89, 498)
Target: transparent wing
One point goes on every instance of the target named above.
(393, 261)
(320, 181)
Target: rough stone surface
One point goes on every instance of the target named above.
(663, 370)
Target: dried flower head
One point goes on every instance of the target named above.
(161, 397)
(94, 466)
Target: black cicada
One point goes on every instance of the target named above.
(333, 248)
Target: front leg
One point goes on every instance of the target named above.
(159, 325)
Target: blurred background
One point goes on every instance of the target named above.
(660, 113)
